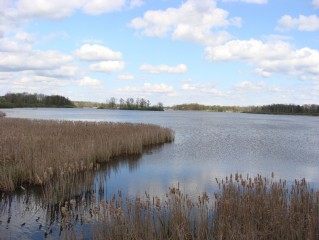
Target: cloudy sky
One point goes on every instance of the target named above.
(226, 52)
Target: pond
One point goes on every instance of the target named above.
(207, 146)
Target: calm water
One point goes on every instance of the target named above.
(207, 145)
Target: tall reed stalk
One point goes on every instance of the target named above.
(37, 151)
(244, 208)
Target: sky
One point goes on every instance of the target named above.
(213, 52)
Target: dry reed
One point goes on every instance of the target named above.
(258, 208)
(37, 151)
(244, 208)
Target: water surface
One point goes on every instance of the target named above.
(207, 146)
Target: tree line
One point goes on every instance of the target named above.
(131, 104)
(12, 100)
(306, 109)
(213, 108)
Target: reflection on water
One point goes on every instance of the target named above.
(36, 213)
(207, 146)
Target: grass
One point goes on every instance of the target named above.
(243, 208)
(35, 152)
(262, 209)
(240, 208)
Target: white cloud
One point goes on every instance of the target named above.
(181, 68)
(193, 21)
(96, 7)
(247, 86)
(45, 8)
(24, 37)
(125, 76)
(5, 77)
(247, 50)
(302, 23)
(89, 82)
(269, 58)
(148, 88)
(14, 13)
(59, 8)
(315, 3)
(203, 88)
(248, 1)
(97, 52)
(65, 71)
(31, 81)
(24, 66)
(20, 42)
(9, 45)
(107, 66)
(136, 3)
(48, 81)
(33, 60)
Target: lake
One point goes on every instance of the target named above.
(207, 146)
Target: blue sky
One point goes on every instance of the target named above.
(225, 52)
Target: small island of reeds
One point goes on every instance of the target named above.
(35, 152)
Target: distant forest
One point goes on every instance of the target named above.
(131, 104)
(213, 108)
(307, 109)
(17, 100)
(13, 100)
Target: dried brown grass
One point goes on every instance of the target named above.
(258, 208)
(244, 208)
(37, 151)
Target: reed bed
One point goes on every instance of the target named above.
(256, 208)
(33, 152)
(243, 208)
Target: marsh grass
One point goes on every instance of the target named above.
(258, 208)
(244, 208)
(35, 152)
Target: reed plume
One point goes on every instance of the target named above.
(36, 151)
(243, 208)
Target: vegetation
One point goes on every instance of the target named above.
(37, 151)
(307, 109)
(214, 108)
(13, 100)
(243, 208)
(85, 104)
(2, 114)
(130, 104)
